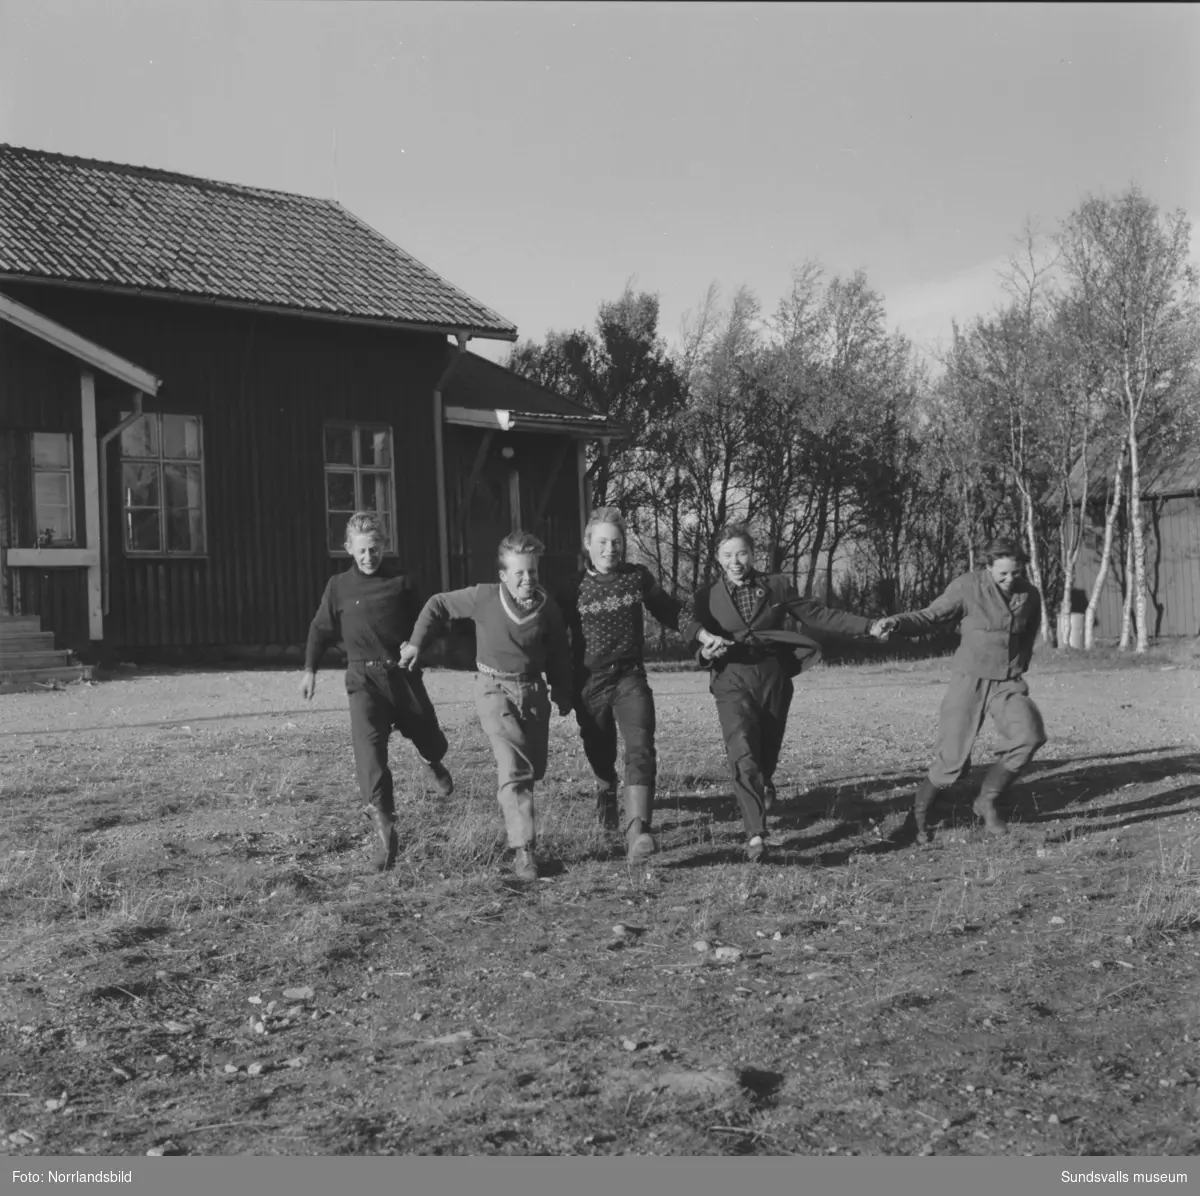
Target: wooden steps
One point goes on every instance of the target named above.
(28, 658)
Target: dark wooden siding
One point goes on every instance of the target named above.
(1172, 533)
(264, 387)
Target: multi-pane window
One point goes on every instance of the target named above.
(162, 485)
(358, 477)
(53, 488)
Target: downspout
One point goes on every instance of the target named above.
(439, 461)
(102, 449)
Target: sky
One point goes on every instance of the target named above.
(541, 156)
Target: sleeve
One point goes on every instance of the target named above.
(559, 673)
(824, 618)
(567, 600)
(440, 609)
(1030, 634)
(663, 606)
(949, 608)
(324, 630)
(701, 616)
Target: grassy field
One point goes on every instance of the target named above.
(195, 958)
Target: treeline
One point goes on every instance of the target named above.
(871, 476)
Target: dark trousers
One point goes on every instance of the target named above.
(967, 701)
(618, 698)
(752, 705)
(383, 700)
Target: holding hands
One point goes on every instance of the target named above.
(882, 629)
(712, 646)
(407, 656)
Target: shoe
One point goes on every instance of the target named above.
(639, 842)
(525, 864)
(768, 795)
(387, 842)
(923, 801)
(756, 850)
(441, 777)
(997, 781)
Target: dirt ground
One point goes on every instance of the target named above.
(195, 958)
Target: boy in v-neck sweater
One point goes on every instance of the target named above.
(519, 637)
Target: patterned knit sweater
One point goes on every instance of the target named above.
(603, 613)
(508, 638)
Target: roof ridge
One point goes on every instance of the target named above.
(158, 173)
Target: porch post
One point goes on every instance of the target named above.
(91, 503)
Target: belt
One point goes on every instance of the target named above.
(378, 664)
(488, 671)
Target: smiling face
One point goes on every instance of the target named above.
(605, 547)
(519, 575)
(1006, 572)
(367, 550)
(736, 558)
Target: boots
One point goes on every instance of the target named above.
(639, 843)
(923, 801)
(998, 779)
(387, 842)
(606, 805)
(525, 863)
(768, 795)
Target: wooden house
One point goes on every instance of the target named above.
(200, 381)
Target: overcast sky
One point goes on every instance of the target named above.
(540, 155)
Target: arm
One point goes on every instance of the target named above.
(439, 610)
(663, 606)
(949, 608)
(1032, 627)
(324, 630)
(825, 618)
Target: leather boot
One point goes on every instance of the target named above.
(606, 805)
(923, 802)
(387, 842)
(998, 779)
(768, 795)
(639, 843)
(442, 779)
(525, 863)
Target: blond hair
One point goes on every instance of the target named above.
(519, 543)
(365, 523)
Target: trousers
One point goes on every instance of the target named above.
(618, 699)
(382, 700)
(753, 701)
(515, 716)
(968, 700)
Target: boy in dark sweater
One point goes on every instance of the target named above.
(370, 608)
(603, 612)
(519, 635)
(999, 614)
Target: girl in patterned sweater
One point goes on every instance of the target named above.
(519, 636)
(602, 607)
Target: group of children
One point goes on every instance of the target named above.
(583, 651)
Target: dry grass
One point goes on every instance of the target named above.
(168, 894)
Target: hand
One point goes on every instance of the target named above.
(712, 646)
(308, 685)
(882, 629)
(564, 708)
(407, 656)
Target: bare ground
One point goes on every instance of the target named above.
(195, 959)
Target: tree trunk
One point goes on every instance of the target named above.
(1035, 564)
(814, 552)
(1110, 523)
(1137, 540)
(1127, 603)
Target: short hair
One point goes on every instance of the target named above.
(518, 543)
(735, 531)
(365, 523)
(605, 515)
(1002, 547)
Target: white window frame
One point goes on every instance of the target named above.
(34, 469)
(161, 462)
(358, 470)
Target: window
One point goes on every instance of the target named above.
(358, 477)
(162, 485)
(53, 488)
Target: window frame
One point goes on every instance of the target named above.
(69, 471)
(160, 461)
(358, 470)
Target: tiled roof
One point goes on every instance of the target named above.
(99, 223)
(483, 385)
